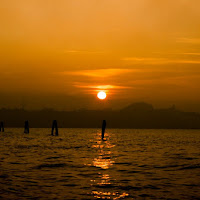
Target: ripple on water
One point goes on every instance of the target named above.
(130, 164)
(197, 166)
(56, 165)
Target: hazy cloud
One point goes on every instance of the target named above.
(188, 40)
(101, 87)
(158, 61)
(82, 52)
(100, 73)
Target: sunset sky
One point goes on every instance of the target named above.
(59, 54)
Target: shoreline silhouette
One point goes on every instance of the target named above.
(135, 116)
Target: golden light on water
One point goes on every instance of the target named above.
(109, 195)
(104, 160)
(103, 163)
(101, 95)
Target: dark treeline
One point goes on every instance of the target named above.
(137, 115)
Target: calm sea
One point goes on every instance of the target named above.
(130, 164)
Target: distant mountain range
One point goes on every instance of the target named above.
(137, 115)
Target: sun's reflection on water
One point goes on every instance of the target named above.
(104, 148)
(105, 180)
(109, 195)
(104, 161)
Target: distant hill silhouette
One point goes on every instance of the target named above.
(136, 115)
(140, 106)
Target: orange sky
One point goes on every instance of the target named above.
(60, 53)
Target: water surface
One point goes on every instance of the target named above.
(130, 164)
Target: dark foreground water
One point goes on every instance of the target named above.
(131, 164)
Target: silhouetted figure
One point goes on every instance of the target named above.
(1, 127)
(54, 126)
(26, 127)
(103, 129)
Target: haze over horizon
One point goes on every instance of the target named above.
(60, 54)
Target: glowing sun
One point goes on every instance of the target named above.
(101, 95)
